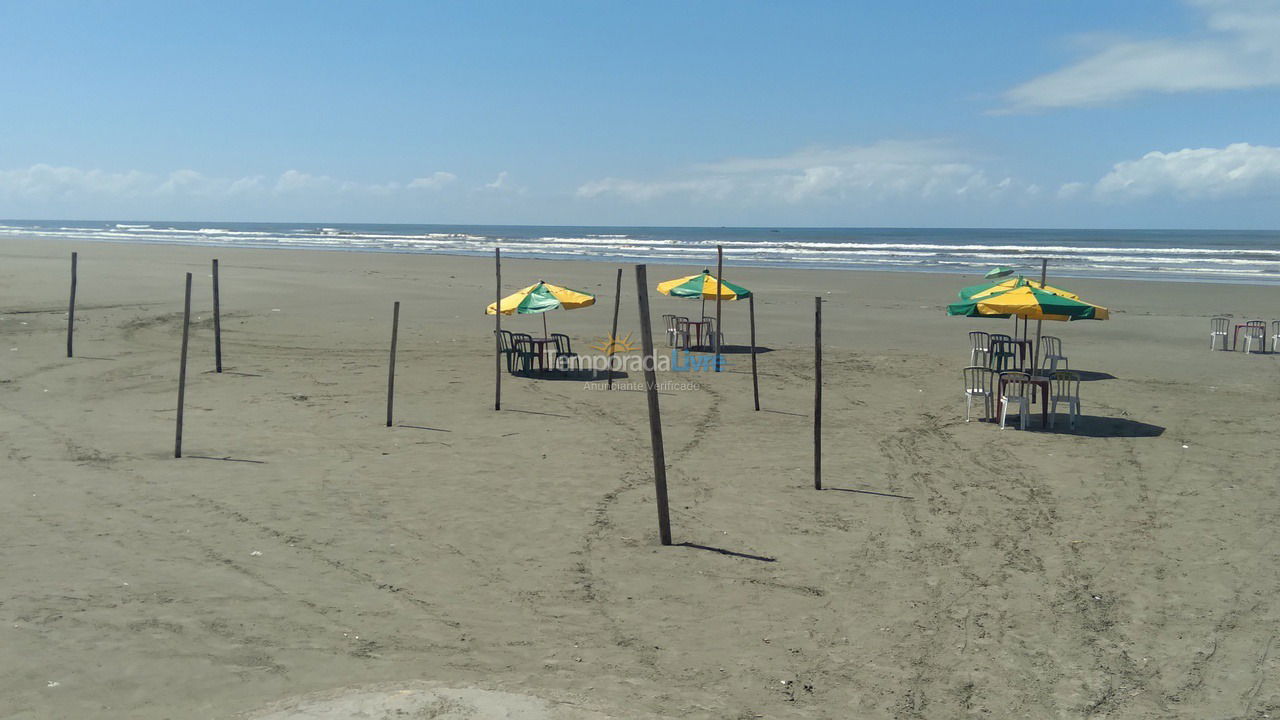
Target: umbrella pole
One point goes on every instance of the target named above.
(544, 326)
(497, 331)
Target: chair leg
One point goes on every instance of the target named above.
(1053, 412)
(1004, 413)
(1024, 411)
(968, 405)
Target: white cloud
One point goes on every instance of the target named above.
(43, 182)
(888, 170)
(434, 181)
(499, 183)
(1237, 170)
(1238, 49)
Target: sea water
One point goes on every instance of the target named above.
(1188, 255)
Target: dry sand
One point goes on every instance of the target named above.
(472, 563)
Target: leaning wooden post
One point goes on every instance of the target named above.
(391, 369)
(817, 393)
(71, 308)
(613, 334)
(655, 414)
(719, 287)
(497, 331)
(182, 367)
(217, 321)
(755, 380)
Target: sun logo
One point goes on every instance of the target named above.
(610, 345)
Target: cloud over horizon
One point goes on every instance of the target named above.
(1238, 48)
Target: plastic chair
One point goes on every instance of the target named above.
(524, 354)
(682, 332)
(977, 383)
(670, 321)
(979, 344)
(1275, 336)
(1255, 336)
(1052, 349)
(1016, 388)
(564, 353)
(1002, 356)
(505, 346)
(1219, 327)
(1064, 386)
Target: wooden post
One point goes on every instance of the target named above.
(755, 380)
(655, 414)
(719, 286)
(817, 393)
(391, 370)
(613, 334)
(497, 332)
(1035, 356)
(71, 308)
(217, 321)
(182, 367)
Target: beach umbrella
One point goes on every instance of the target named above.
(1005, 284)
(703, 285)
(998, 272)
(540, 298)
(1029, 302)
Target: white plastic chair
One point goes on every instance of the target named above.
(1275, 336)
(1052, 349)
(1064, 386)
(670, 320)
(977, 384)
(1015, 387)
(1255, 336)
(979, 345)
(1219, 327)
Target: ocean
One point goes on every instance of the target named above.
(1235, 256)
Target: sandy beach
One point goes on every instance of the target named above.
(303, 555)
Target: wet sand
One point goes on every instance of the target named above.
(304, 556)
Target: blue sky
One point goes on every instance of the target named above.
(1003, 113)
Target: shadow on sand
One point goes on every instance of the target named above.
(1096, 426)
(722, 551)
(571, 375)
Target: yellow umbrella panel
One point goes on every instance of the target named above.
(541, 297)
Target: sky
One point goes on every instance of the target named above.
(913, 113)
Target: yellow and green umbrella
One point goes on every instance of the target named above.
(1029, 302)
(540, 298)
(703, 285)
(1009, 283)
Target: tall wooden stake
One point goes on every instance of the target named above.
(71, 309)
(391, 369)
(655, 414)
(719, 286)
(497, 331)
(755, 380)
(182, 367)
(613, 334)
(217, 321)
(817, 393)
(1035, 357)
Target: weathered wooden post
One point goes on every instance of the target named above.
(391, 369)
(613, 334)
(217, 321)
(655, 414)
(755, 380)
(719, 288)
(182, 367)
(71, 308)
(497, 331)
(817, 393)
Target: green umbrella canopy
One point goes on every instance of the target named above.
(1027, 301)
(703, 285)
(998, 272)
(1009, 283)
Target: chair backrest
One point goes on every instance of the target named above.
(1065, 383)
(504, 339)
(1050, 346)
(562, 343)
(1218, 325)
(1256, 329)
(670, 320)
(978, 379)
(979, 340)
(522, 342)
(1015, 384)
(1001, 336)
(682, 324)
(1275, 328)
(709, 319)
